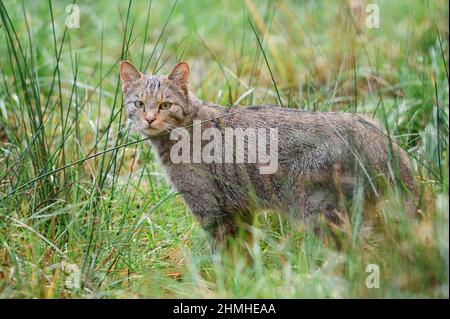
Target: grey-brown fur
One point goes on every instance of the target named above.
(322, 156)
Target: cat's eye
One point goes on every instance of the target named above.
(139, 104)
(165, 106)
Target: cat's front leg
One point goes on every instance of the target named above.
(204, 199)
(220, 226)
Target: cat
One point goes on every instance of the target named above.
(322, 156)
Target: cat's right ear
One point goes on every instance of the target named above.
(128, 72)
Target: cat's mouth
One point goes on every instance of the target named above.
(151, 130)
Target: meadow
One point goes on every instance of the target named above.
(85, 211)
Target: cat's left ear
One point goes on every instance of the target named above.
(180, 74)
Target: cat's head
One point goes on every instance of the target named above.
(156, 104)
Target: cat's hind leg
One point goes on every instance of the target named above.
(314, 206)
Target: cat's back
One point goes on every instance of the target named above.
(318, 140)
(293, 120)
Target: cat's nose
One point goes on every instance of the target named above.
(150, 119)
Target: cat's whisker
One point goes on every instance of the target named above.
(169, 127)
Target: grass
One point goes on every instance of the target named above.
(79, 192)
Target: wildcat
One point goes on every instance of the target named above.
(322, 156)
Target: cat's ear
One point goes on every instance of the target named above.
(128, 72)
(180, 74)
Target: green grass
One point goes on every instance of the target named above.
(76, 187)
